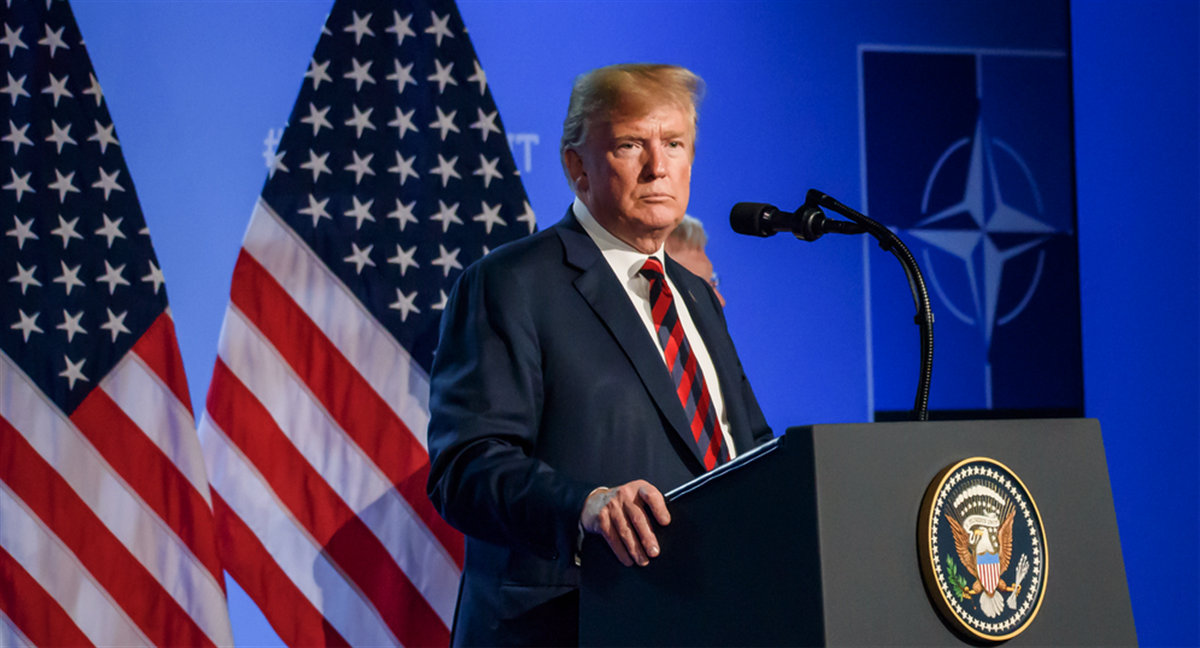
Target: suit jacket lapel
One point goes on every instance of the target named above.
(604, 293)
(710, 325)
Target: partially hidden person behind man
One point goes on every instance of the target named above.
(557, 408)
(686, 245)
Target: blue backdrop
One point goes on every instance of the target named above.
(199, 91)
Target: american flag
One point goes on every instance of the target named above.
(106, 530)
(393, 174)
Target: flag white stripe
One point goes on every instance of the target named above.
(58, 571)
(115, 503)
(366, 345)
(11, 635)
(347, 470)
(293, 549)
(153, 407)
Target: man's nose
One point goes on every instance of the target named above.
(655, 164)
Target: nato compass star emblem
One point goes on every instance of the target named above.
(985, 228)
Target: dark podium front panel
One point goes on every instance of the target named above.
(812, 540)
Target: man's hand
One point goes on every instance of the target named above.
(619, 515)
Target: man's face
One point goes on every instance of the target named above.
(634, 174)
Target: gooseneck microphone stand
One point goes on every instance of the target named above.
(808, 223)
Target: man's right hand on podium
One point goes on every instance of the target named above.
(619, 514)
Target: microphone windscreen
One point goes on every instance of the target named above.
(747, 218)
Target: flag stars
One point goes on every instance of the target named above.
(448, 260)
(361, 121)
(360, 73)
(401, 27)
(63, 185)
(54, 40)
(115, 324)
(20, 184)
(405, 304)
(316, 209)
(276, 164)
(109, 182)
(402, 76)
(17, 137)
(440, 27)
(360, 212)
(13, 39)
(445, 168)
(359, 28)
(112, 277)
(317, 119)
(71, 325)
(94, 89)
(15, 88)
(58, 88)
(445, 123)
(104, 136)
(487, 169)
(155, 277)
(441, 305)
(405, 259)
(28, 325)
(25, 277)
(318, 72)
(486, 124)
(316, 164)
(489, 216)
(66, 230)
(61, 136)
(404, 167)
(480, 78)
(73, 371)
(403, 121)
(360, 166)
(528, 217)
(446, 215)
(404, 214)
(111, 229)
(360, 258)
(442, 76)
(22, 232)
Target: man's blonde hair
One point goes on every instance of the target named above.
(626, 90)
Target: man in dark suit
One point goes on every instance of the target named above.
(573, 380)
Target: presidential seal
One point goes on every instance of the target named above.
(983, 549)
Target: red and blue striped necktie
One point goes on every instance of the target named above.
(690, 385)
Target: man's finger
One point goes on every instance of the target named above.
(628, 535)
(608, 532)
(641, 524)
(657, 503)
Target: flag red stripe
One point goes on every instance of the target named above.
(332, 524)
(349, 399)
(290, 613)
(151, 473)
(159, 349)
(52, 500)
(33, 610)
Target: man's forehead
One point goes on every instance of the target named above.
(667, 117)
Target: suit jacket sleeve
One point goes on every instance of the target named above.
(486, 394)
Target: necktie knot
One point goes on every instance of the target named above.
(652, 269)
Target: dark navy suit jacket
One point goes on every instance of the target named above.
(546, 385)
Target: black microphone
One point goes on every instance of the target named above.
(808, 223)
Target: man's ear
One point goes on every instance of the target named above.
(575, 170)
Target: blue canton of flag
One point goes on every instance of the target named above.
(395, 167)
(393, 175)
(106, 526)
(84, 283)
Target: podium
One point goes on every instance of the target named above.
(812, 539)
